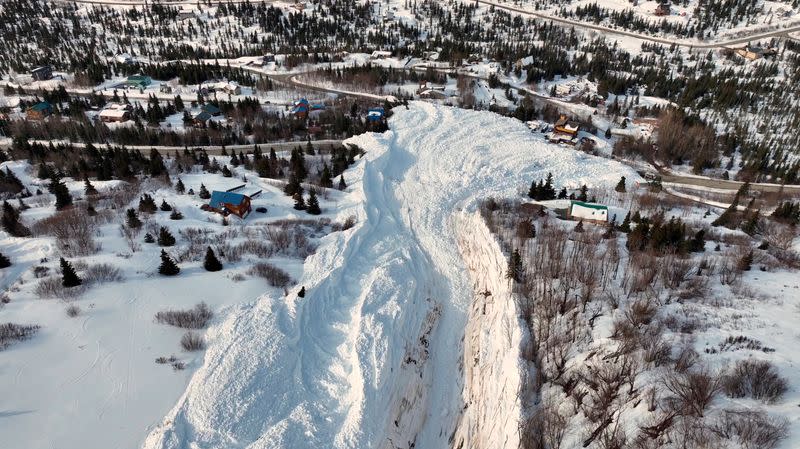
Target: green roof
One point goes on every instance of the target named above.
(589, 205)
(41, 106)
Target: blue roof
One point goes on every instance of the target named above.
(211, 109)
(41, 106)
(218, 198)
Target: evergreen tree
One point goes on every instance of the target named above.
(579, 226)
(60, 190)
(165, 238)
(325, 178)
(204, 192)
(132, 219)
(302, 292)
(583, 196)
(342, 184)
(69, 278)
(226, 172)
(147, 204)
(179, 187)
(88, 188)
(165, 207)
(211, 262)
(168, 266)
(10, 221)
(698, 243)
(515, 269)
(176, 215)
(313, 203)
(626, 224)
(299, 202)
(5, 262)
(548, 192)
(148, 238)
(562, 195)
(620, 185)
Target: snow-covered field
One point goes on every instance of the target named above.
(370, 357)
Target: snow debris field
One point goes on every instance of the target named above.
(371, 356)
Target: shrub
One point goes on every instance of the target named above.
(754, 378)
(196, 318)
(176, 215)
(102, 273)
(51, 287)
(274, 275)
(752, 429)
(192, 341)
(10, 332)
(73, 311)
(349, 223)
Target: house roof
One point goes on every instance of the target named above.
(218, 199)
(113, 113)
(211, 109)
(203, 115)
(41, 69)
(41, 106)
(587, 205)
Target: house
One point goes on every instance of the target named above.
(39, 111)
(185, 14)
(565, 126)
(375, 114)
(116, 112)
(663, 9)
(753, 53)
(165, 89)
(379, 54)
(200, 119)
(267, 58)
(42, 73)
(301, 108)
(431, 94)
(593, 213)
(211, 110)
(138, 81)
(124, 58)
(227, 203)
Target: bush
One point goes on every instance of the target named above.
(10, 332)
(751, 428)
(274, 275)
(196, 318)
(754, 378)
(73, 311)
(102, 273)
(192, 341)
(52, 287)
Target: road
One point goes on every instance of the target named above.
(210, 149)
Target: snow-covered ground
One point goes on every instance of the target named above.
(370, 357)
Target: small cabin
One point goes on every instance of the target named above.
(375, 114)
(200, 119)
(115, 114)
(380, 54)
(593, 213)
(211, 110)
(138, 81)
(39, 111)
(227, 203)
(565, 126)
(42, 73)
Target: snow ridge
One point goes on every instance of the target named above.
(370, 357)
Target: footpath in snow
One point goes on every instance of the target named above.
(371, 357)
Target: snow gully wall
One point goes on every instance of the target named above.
(492, 341)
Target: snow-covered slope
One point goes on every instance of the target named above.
(370, 357)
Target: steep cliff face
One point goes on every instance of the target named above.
(493, 337)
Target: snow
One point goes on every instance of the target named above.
(332, 369)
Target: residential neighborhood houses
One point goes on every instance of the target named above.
(116, 112)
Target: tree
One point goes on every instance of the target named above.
(579, 226)
(621, 185)
(168, 266)
(5, 262)
(299, 202)
(211, 262)
(562, 195)
(745, 263)
(583, 196)
(176, 215)
(132, 219)
(69, 278)
(342, 184)
(325, 178)
(515, 268)
(148, 238)
(226, 172)
(626, 223)
(60, 190)
(165, 238)
(165, 206)
(10, 221)
(88, 188)
(204, 192)
(608, 133)
(698, 243)
(179, 187)
(313, 203)
(147, 204)
(302, 292)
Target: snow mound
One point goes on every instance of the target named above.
(371, 356)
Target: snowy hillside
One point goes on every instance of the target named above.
(371, 356)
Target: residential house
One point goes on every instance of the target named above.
(589, 212)
(375, 114)
(201, 119)
(380, 54)
(39, 111)
(211, 110)
(116, 112)
(42, 73)
(125, 58)
(267, 58)
(565, 126)
(663, 9)
(138, 81)
(227, 203)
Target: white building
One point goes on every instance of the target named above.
(595, 213)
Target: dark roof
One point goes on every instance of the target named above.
(41, 69)
(219, 198)
(211, 109)
(203, 116)
(41, 106)
(588, 205)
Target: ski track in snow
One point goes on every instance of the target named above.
(331, 369)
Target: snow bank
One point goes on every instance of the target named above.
(370, 357)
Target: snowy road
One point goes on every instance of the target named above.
(370, 357)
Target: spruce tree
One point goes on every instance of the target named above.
(626, 224)
(302, 292)
(168, 266)
(179, 187)
(148, 238)
(325, 178)
(165, 206)
(204, 192)
(313, 203)
(176, 215)
(299, 202)
(10, 221)
(132, 219)
(5, 262)
(514, 270)
(226, 172)
(621, 185)
(147, 204)
(548, 192)
(60, 190)
(211, 262)
(88, 188)
(562, 194)
(165, 238)
(69, 278)
(342, 184)
(579, 226)
(583, 196)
